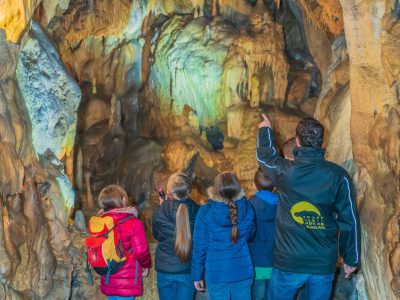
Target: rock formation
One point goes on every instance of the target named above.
(98, 92)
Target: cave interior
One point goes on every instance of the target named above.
(130, 91)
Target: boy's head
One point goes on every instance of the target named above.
(288, 148)
(310, 133)
(262, 182)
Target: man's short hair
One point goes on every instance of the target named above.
(310, 133)
(263, 182)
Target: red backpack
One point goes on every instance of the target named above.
(106, 253)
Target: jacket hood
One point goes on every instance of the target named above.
(220, 210)
(120, 213)
(216, 197)
(268, 197)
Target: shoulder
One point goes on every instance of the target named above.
(203, 210)
(340, 173)
(130, 226)
(254, 200)
(339, 170)
(264, 198)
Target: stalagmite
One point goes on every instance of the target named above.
(79, 171)
(6, 262)
(69, 166)
(90, 205)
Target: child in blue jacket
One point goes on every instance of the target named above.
(264, 203)
(223, 228)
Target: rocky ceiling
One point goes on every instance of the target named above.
(127, 91)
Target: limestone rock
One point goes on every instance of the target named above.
(79, 221)
(52, 105)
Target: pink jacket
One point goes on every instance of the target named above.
(128, 280)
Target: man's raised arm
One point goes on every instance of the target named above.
(267, 155)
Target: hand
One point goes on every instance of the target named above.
(199, 285)
(348, 270)
(160, 201)
(265, 123)
(145, 272)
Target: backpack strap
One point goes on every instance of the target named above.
(87, 270)
(120, 222)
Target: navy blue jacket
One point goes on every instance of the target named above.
(264, 204)
(317, 212)
(164, 225)
(214, 254)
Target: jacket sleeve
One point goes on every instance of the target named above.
(200, 244)
(267, 156)
(139, 245)
(252, 225)
(154, 223)
(348, 222)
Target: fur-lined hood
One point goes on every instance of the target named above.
(123, 210)
(216, 197)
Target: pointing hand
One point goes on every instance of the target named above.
(266, 122)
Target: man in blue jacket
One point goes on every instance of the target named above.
(316, 214)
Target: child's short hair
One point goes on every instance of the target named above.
(263, 182)
(112, 196)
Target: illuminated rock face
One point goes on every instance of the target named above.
(210, 66)
(153, 76)
(189, 65)
(51, 95)
(33, 239)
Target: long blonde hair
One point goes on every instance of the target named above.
(112, 196)
(179, 187)
(227, 185)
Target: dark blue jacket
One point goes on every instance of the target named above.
(317, 212)
(214, 254)
(164, 224)
(264, 204)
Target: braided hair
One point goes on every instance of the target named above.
(227, 185)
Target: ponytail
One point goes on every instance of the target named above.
(228, 186)
(183, 239)
(180, 185)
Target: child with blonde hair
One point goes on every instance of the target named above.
(173, 224)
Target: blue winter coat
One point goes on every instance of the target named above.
(214, 254)
(264, 204)
(164, 226)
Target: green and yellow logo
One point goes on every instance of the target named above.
(308, 215)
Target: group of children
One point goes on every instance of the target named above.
(199, 248)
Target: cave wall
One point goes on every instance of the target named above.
(132, 90)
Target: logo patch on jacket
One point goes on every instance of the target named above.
(308, 215)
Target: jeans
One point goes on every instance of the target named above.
(259, 289)
(240, 290)
(284, 285)
(120, 298)
(175, 286)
